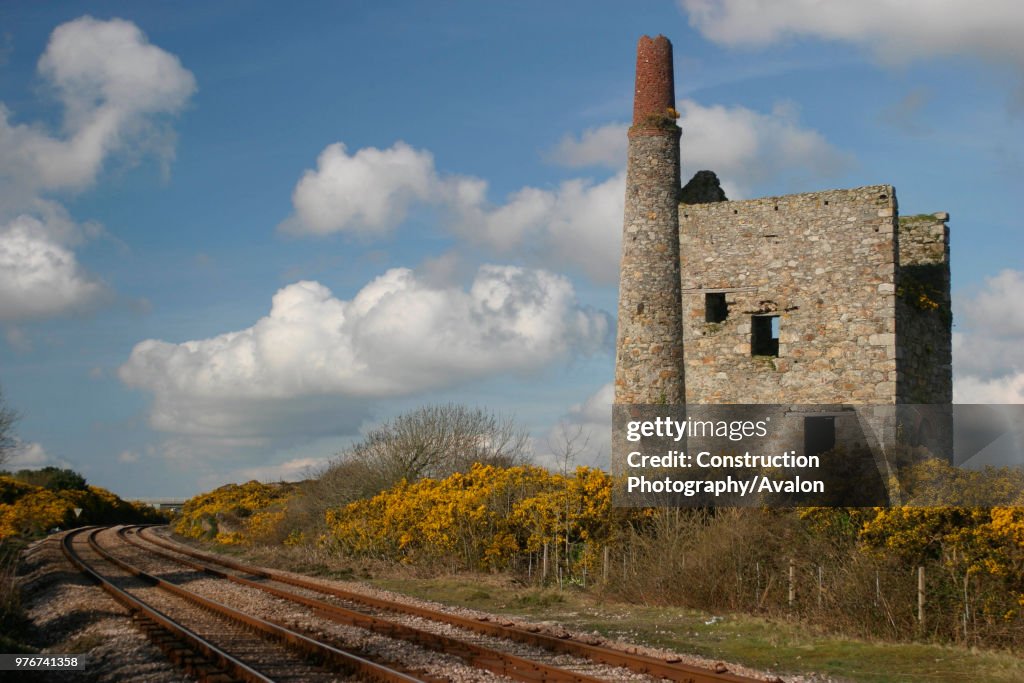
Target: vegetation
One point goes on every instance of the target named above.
(490, 518)
(407, 497)
(236, 513)
(28, 510)
(52, 478)
(433, 441)
(32, 503)
(761, 641)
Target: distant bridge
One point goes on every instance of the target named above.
(168, 504)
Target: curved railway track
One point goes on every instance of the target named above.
(212, 641)
(526, 654)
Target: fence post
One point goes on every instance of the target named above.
(792, 581)
(967, 607)
(820, 589)
(920, 595)
(604, 565)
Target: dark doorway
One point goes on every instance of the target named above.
(819, 434)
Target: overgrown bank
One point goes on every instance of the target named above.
(859, 572)
(32, 503)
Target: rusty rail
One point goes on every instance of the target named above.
(673, 671)
(345, 661)
(180, 639)
(478, 656)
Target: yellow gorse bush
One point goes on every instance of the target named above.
(35, 512)
(27, 509)
(481, 519)
(235, 513)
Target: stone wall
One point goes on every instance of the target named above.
(824, 264)
(924, 352)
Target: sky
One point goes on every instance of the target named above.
(236, 236)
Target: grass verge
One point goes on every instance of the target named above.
(780, 646)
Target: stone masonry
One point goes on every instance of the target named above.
(817, 298)
(649, 359)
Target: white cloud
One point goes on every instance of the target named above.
(369, 191)
(578, 224)
(39, 274)
(116, 91)
(897, 31)
(398, 336)
(30, 455)
(114, 85)
(601, 146)
(988, 358)
(128, 457)
(1005, 389)
(296, 469)
(746, 148)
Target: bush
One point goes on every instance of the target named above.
(29, 510)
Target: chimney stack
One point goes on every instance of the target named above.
(649, 351)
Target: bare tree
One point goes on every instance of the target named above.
(436, 441)
(567, 442)
(433, 441)
(8, 418)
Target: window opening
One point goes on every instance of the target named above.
(764, 335)
(716, 309)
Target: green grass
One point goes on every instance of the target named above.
(779, 646)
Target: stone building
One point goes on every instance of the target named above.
(817, 298)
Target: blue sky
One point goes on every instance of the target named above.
(233, 236)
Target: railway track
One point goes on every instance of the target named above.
(212, 641)
(482, 643)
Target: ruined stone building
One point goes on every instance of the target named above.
(817, 298)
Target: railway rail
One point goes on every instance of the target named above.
(224, 644)
(518, 668)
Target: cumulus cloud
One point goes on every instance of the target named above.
(39, 273)
(369, 191)
(601, 146)
(576, 224)
(896, 29)
(295, 469)
(1004, 389)
(988, 358)
(744, 147)
(114, 87)
(397, 336)
(580, 222)
(116, 91)
(30, 455)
